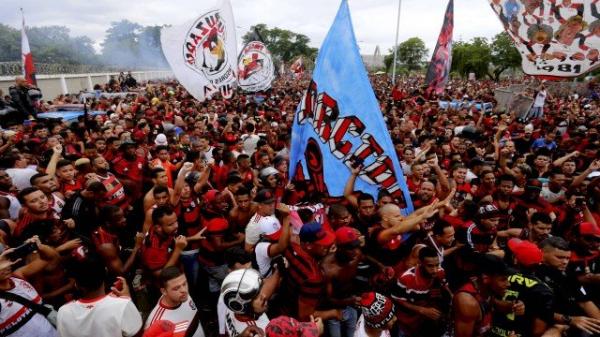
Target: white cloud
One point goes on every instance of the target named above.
(374, 20)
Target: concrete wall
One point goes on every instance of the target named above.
(54, 85)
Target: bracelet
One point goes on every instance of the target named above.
(567, 319)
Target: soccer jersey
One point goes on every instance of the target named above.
(115, 193)
(17, 320)
(181, 316)
(106, 316)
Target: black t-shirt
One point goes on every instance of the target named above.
(522, 145)
(567, 293)
(539, 302)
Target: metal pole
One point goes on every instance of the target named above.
(396, 43)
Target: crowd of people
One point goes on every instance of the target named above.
(166, 216)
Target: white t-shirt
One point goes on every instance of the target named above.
(181, 316)
(250, 142)
(11, 313)
(107, 316)
(550, 196)
(540, 99)
(263, 259)
(360, 329)
(20, 176)
(209, 153)
(230, 325)
(14, 207)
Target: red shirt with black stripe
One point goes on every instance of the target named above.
(305, 277)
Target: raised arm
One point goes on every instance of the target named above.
(558, 162)
(349, 188)
(594, 166)
(56, 155)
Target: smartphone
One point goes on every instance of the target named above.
(22, 251)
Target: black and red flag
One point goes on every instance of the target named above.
(439, 67)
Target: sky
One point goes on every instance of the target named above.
(374, 20)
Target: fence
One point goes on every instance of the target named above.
(54, 85)
(16, 68)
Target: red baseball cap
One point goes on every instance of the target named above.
(588, 228)
(347, 237)
(526, 252)
(284, 326)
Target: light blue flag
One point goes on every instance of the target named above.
(338, 124)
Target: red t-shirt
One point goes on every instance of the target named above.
(129, 169)
(77, 185)
(156, 250)
(216, 226)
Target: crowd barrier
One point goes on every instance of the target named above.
(54, 85)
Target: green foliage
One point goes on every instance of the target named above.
(472, 57)
(412, 54)
(50, 44)
(504, 54)
(483, 58)
(283, 44)
(127, 44)
(10, 40)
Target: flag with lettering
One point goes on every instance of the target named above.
(441, 60)
(339, 125)
(256, 70)
(203, 52)
(555, 38)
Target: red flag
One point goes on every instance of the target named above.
(439, 67)
(28, 68)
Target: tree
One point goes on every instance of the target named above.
(504, 55)
(412, 54)
(10, 40)
(121, 44)
(283, 44)
(474, 56)
(49, 44)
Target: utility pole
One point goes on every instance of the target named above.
(396, 43)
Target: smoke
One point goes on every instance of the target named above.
(132, 46)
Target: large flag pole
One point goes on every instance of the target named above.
(396, 43)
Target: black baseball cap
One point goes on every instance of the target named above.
(265, 196)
